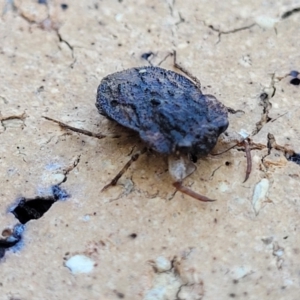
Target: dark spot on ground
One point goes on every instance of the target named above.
(133, 235)
(64, 6)
(295, 158)
(12, 240)
(146, 55)
(295, 81)
(263, 96)
(119, 295)
(6, 232)
(294, 73)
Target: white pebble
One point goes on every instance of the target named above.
(80, 264)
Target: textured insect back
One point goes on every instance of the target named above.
(166, 109)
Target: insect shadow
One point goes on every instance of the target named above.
(169, 112)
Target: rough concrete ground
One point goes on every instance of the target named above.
(140, 239)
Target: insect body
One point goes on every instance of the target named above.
(168, 111)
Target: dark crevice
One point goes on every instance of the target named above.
(295, 81)
(288, 153)
(265, 100)
(266, 104)
(271, 142)
(29, 209)
(295, 157)
(26, 210)
(290, 12)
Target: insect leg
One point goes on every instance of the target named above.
(82, 131)
(181, 167)
(185, 190)
(133, 158)
(185, 71)
(249, 159)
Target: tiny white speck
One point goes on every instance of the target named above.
(119, 17)
(223, 187)
(58, 178)
(162, 264)
(182, 45)
(80, 264)
(260, 192)
(142, 71)
(244, 133)
(278, 252)
(54, 90)
(86, 218)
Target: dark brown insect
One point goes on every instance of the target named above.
(170, 114)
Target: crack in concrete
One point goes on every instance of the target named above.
(278, 252)
(290, 12)
(179, 290)
(265, 97)
(171, 6)
(48, 25)
(267, 105)
(182, 280)
(70, 168)
(272, 144)
(2, 98)
(61, 40)
(221, 32)
(181, 19)
(4, 120)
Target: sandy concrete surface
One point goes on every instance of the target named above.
(140, 239)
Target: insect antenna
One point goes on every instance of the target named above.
(246, 145)
(78, 130)
(185, 71)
